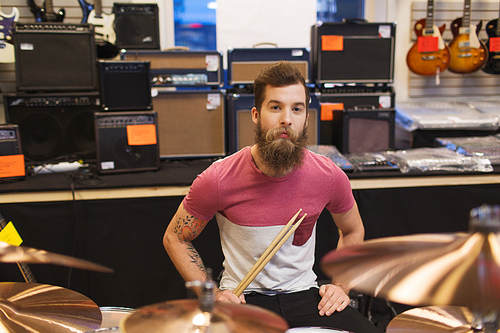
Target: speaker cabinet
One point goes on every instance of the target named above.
(54, 126)
(245, 64)
(364, 130)
(136, 26)
(191, 124)
(125, 85)
(343, 98)
(55, 57)
(353, 52)
(127, 141)
(241, 129)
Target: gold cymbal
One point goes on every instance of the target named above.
(461, 269)
(182, 316)
(42, 308)
(12, 254)
(433, 319)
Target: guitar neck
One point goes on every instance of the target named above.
(48, 6)
(429, 21)
(466, 17)
(98, 8)
(23, 267)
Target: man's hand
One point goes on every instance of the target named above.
(229, 296)
(333, 298)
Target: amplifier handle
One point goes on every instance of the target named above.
(261, 44)
(354, 20)
(177, 48)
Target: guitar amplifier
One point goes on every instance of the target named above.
(11, 159)
(180, 68)
(125, 85)
(137, 26)
(55, 57)
(241, 129)
(127, 141)
(353, 52)
(342, 98)
(54, 125)
(191, 124)
(245, 64)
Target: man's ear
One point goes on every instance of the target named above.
(255, 115)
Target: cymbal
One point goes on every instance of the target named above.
(433, 319)
(42, 308)
(185, 316)
(460, 269)
(12, 254)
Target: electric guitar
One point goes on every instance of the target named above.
(429, 55)
(493, 46)
(7, 53)
(23, 267)
(46, 13)
(467, 52)
(105, 35)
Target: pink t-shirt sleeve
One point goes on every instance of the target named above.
(202, 199)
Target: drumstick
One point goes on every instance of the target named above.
(268, 254)
(269, 249)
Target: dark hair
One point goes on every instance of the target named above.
(280, 74)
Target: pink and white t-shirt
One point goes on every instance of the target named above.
(252, 208)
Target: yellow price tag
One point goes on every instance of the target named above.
(10, 235)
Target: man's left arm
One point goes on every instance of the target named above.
(351, 232)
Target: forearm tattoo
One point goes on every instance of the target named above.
(188, 228)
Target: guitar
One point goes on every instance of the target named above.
(23, 267)
(105, 35)
(7, 53)
(429, 55)
(46, 13)
(493, 46)
(467, 52)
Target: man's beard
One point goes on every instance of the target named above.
(281, 155)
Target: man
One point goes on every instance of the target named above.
(254, 193)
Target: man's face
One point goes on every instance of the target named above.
(281, 127)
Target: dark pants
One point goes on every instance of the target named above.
(300, 309)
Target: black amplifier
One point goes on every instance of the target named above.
(127, 141)
(353, 52)
(55, 57)
(54, 126)
(241, 129)
(245, 63)
(10, 141)
(136, 25)
(181, 68)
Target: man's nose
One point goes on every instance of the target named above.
(286, 119)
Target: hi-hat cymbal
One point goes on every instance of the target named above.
(433, 319)
(42, 308)
(182, 316)
(12, 254)
(461, 269)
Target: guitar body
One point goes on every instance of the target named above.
(468, 53)
(105, 35)
(86, 9)
(492, 65)
(44, 15)
(7, 53)
(428, 63)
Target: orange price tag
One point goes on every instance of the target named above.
(332, 43)
(12, 166)
(327, 110)
(140, 135)
(494, 44)
(428, 44)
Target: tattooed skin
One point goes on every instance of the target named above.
(187, 229)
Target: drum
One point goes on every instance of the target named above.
(314, 330)
(111, 318)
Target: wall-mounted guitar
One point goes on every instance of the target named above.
(429, 55)
(467, 52)
(493, 46)
(105, 35)
(7, 53)
(46, 13)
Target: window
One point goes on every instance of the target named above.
(194, 22)
(338, 10)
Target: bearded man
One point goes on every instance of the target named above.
(253, 194)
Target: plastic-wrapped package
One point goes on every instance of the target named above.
(481, 146)
(437, 159)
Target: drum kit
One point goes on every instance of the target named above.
(452, 279)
